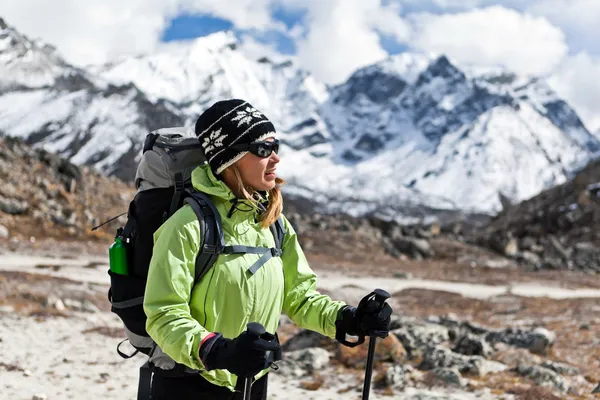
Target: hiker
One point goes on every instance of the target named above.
(203, 325)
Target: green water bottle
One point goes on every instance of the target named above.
(117, 256)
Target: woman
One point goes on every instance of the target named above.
(203, 326)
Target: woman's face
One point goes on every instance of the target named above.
(258, 172)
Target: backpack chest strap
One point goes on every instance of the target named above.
(266, 254)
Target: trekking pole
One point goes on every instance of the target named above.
(380, 296)
(254, 329)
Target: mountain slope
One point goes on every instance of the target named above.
(72, 112)
(556, 228)
(459, 139)
(44, 196)
(407, 132)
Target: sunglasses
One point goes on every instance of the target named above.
(262, 149)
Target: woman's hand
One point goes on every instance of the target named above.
(370, 318)
(244, 356)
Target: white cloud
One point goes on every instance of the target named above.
(92, 32)
(576, 80)
(254, 50)
(579, 19)
(465, 4)
(342, 35)
(492, 36)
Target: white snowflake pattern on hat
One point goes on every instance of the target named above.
(214, 140)
(247, 115)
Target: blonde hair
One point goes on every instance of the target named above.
(275, 207)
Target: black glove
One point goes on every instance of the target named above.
(370, 318)
(244, 356)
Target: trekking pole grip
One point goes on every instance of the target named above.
(380, 296)
(255, 329)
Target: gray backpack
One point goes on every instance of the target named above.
(163, 182)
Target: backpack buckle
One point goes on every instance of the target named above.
(210, 249)
(276, 252)
(179, 185)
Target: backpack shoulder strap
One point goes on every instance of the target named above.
(211, 232)
(177, 194)
(279, 232)
(213, 242)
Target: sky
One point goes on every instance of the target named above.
(556, 39)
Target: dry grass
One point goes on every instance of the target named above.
(316, 382)
(107, 331)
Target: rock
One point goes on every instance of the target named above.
(586, 256)
(530, 258)
(472, 345)
(441, 357)
(416, 336)
(504, 243)
(61, 218)
(413, 247)
(55, 302)
(13, 206)
(395, 377)
(403, 275)
(39, 396)
(305, 339)
(513, 357)
(388, 349)
(559, 248)
(423, 233)
(77, 305)
(544, 377)
(303, 362)
(561, 368)
(458, 328)
(289, 369)
(4, 233)
(527, 243)
(389, 248)
(447, 376)
(537, 341)
(59, 305)
(497, 263)
(386, 227)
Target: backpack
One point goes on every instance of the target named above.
(163, 183)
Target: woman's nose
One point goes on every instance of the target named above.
(275, 157)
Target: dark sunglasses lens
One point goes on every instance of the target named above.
(265, 149)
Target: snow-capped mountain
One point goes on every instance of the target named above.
(71, 111)
(196, 74)
(410, 130)
(459, 139)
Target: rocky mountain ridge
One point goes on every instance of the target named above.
(409, 131)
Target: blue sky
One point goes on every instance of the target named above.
(186, 27)
(539, 37)
(189, 27)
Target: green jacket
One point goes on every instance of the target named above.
(227, 298)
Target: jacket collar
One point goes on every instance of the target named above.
(228, 204)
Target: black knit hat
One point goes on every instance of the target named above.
(227, 123)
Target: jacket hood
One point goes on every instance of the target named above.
(205, 181)
(226, 201)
